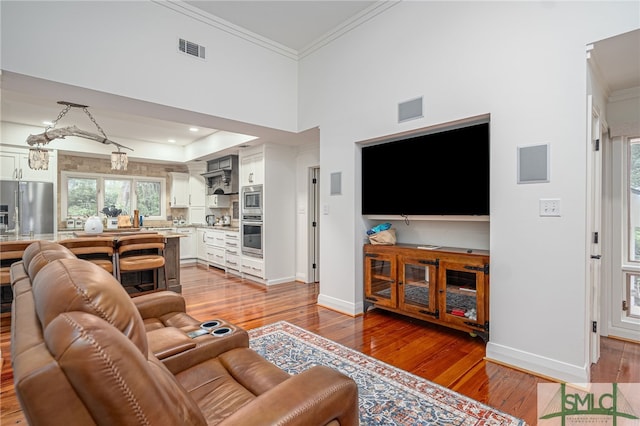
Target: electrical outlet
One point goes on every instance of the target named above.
(550, 207)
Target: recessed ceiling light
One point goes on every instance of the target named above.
(171, 140)
(47, 123)
(193, 129)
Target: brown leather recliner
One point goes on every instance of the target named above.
(80, 356)
(163, 313)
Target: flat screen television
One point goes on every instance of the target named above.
(441, 173)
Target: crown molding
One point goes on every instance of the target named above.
(206, 18)
(354, 22)
(226, 26)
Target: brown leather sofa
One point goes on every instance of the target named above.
(81, 355)
(163, 313)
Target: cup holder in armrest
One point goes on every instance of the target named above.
(211, 324)
(217, 328)
(222, 331)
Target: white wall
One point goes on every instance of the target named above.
(522, 62)
(130, 48)
(525, 64)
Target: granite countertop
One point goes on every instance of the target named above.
(65, 235)
(166, 231)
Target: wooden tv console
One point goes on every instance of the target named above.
(443, 285)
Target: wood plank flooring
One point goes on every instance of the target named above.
(447, 357)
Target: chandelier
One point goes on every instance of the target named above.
(39, 157)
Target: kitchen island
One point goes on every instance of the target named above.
(134, 282)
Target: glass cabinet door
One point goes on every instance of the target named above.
(379, 279)
(417, 285)
(463, 288)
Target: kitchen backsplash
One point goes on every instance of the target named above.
(103, 165)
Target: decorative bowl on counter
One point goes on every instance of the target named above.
(93, 225)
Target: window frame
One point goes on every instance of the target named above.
(100, 178)
(630, 231)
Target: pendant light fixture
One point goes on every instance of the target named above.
(39, 157)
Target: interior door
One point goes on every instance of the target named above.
(594, 221)
(314, 208)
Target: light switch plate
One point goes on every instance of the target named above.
(550, 207)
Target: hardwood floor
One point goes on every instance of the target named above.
(447, 357)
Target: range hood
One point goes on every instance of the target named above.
(222, 175)
(225, 175)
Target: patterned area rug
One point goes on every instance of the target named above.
(388, 395)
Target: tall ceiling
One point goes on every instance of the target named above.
(293, 24)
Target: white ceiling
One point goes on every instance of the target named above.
(618, 60)
(294, 24)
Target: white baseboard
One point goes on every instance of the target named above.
(279, 280)
(339, 305)
(537, 364)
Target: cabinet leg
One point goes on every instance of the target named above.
(367, 305)
(483, 335)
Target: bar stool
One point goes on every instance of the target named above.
(98, 250)
(10, 252)
(141, 253)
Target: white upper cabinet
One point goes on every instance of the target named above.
(197, 191)
(252, 170)
(14, 165)
(179, 189)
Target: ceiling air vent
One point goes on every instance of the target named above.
(191, 48)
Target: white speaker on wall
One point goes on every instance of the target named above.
(533, 164)
(410, 110)
(336, 183)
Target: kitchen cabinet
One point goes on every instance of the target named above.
(14, 165)
(201, 245)
(232, 252)
(252, 170)
(197, 191)
(187, 244)
(253, 266)
(215, 247)
(222, 163)
(448, 286)
(273, 166)
(172, 266)
(179, 189)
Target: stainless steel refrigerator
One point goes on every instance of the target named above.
(26, 207)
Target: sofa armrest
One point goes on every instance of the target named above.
(319, 395)
(157, 304)
(168, 341)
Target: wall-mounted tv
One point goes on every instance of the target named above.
(437, 173)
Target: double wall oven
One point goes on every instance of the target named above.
(251, 224)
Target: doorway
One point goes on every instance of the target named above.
(613, 233)
(624, 291)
